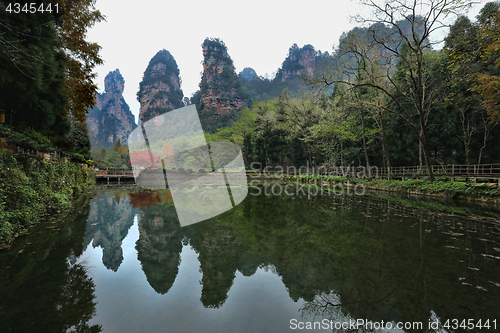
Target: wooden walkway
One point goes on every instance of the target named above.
(472, 172)
(114, 175)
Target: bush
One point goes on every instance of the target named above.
(30, 188)
(38, 137)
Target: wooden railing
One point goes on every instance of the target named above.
(452, 170)
(114, 173)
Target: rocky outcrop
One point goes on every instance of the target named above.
(300, 62)
(160, 89)
(220, 87)
(110, 120)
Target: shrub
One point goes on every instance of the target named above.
(30, 188)
(38, 137)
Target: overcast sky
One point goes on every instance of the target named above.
(257, 34)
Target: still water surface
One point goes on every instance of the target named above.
(123, 264)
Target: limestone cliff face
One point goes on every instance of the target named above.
(300, 61)
(220, 87)
(160, 89)
(110, 120)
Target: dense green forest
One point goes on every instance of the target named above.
(397, 100)
(46, 72)
(46, 90)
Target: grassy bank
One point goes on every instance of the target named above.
(439, 188)
(32, 187)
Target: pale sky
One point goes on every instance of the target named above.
(257, 34)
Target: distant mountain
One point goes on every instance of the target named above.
(160, 89)
(248, 73)
(300, 62)
(110, 120)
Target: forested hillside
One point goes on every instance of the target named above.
(397, 100)
(46, 78)
(46, 90)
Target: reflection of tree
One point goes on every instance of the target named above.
(40, 290)
(344, 256)
(368, 258)
(108, 224)
(144, 199)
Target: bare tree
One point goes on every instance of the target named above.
(399, 31)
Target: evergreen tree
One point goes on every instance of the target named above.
(32, 80)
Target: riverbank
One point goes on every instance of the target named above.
(440, 188)
(33, 187)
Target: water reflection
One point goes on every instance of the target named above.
(111, 216)
(159, 246)
(42, 288)
(357, 257)
(336, 258)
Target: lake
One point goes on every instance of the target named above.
(121, 262)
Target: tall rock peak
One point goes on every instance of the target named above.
(220, 87)
(300, 61)
(114, 82)
(160, 89)
(110, 120)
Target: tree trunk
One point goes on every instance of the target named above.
(420, 152)
(385, 147)
(467, 151)
(425, 146)
(364, 143)
(341, 154)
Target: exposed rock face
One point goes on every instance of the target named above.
(300, 61)
(160, 89)
(110, 120)
(220, 87)
(248, 74)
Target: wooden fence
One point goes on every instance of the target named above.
(484, 171)
(452, 170)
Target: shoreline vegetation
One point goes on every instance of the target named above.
(441, 188)
(32, 187)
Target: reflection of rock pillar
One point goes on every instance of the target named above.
(108, 224)
(159, 247)
(219, 255)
